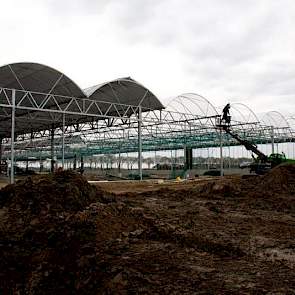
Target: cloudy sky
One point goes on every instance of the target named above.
(225, 50)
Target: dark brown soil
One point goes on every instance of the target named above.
(60, 235)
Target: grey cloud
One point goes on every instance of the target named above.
(233, 48)
(78, 8)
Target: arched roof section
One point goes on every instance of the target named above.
(192, 103)
(275, 119)
(195, 105)
(125, 91)
(38, 78)
(42, 80)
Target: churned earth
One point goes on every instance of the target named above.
(61, 235)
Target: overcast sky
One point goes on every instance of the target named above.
(225, 50)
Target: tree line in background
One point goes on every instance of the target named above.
(110, 161)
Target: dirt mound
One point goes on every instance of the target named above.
(280, 178)
(62, 191)
(60, 235)
(46, 241)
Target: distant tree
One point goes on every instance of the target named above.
(148, 161)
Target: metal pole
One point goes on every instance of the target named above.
(75, 162)
(41, 164)
(119, 164)
(52, 149)
(208, 159)
(272, 140)
(229, 163)
(139, 143)
(63, 141)
(12, 137)
(171, 155)
(221, 154)
(1, 139)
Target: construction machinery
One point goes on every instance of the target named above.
(261, 163)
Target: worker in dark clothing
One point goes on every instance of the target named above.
(226, 116)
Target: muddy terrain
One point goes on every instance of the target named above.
(61, 235)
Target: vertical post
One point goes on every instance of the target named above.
(82, 165)
(221, 154)
(52, 148)
(208, 159)
(63, 141)
(12, 137)
(119, 164)
(27, 163)
(272, 140)
(171, 160)
(139, 143)
(229, 161)
(41, 163)
(1, 139)
(75, 162)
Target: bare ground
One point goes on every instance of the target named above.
(229, 236)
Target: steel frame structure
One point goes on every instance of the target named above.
(87, 127)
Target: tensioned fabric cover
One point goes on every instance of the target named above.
(36, 77)
(124, 91)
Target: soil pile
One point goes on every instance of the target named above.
(279, 179)
(46, 242)
(62, 191)
(60, 235)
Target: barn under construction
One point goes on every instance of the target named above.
(179, 217)
(46, 116)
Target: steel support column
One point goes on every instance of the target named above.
(1, 139)
(119, 164)
(272, 140)
(221, 153)
(171, 160)
(12, 137)
(52, 149)
(63, 141)
(229, 161)
(41, 162)
(75, 162)
(139, 143)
